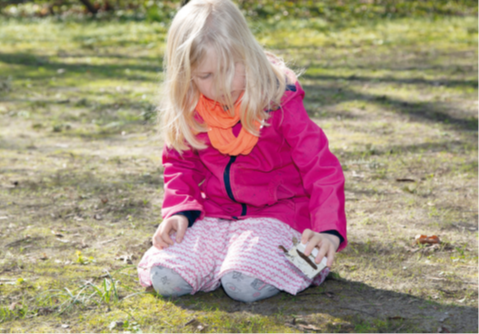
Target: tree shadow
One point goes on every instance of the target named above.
(427, 112)
(454, 145)
(354, 301)
(103, 71)
(388, 79)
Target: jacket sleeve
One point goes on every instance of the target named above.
(182, 176)
(321, 172)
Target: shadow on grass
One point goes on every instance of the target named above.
(356, 303)
(51, 67)
(455, 146)
(427, 112)
(388, 79)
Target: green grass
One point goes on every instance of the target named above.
(81, 179)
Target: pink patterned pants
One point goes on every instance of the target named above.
(213, 247)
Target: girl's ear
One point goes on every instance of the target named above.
(184, 2)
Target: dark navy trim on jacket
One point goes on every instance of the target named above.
(229, 191)
(291, 88)
(336, 233)
(192, 216)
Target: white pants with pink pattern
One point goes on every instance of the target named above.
(215, 250)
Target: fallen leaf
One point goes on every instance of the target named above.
(58, 235)
(44, 311)
(442, 319)
(115, 324)
(104, 200)
(44, 257)
(424, 239)
(405, 180)
(149, 289)
(329, 294)
(13, 306)
(195, 324)
(442, 329)
(309, 327)
(65, 326)
(355, 174)
(127, 258)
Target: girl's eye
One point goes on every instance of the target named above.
(205, 76)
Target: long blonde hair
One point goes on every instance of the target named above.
(216, 24)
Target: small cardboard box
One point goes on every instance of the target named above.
(305, 263)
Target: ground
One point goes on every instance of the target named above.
(81, 177)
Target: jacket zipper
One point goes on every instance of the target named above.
(226, 179)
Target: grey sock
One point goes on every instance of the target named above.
(168, 282)
(245, 288)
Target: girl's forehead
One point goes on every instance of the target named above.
(209, 61)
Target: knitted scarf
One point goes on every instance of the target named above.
(220, 128)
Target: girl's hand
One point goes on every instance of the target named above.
(326, 243)
(162, 239)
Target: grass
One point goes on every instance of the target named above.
(81, 178)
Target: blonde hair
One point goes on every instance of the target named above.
(217, 24)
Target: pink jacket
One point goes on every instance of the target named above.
(289, 175)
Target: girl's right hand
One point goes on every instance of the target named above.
(178, 224)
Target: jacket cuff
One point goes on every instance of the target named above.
(191, 215)
(336, 233)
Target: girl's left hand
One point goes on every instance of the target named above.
(326, 243)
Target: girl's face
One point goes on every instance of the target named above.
(203, 77)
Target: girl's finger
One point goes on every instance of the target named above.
(165, 233)
(313, 242)
(322, 252)
(158, 243)
(331, 254)
(165, 236)
(306, 235)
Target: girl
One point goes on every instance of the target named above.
(245, 169)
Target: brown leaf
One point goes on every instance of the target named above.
(127, 258)
(442, 329)
(195, 323)
(83, 244)
(149, 289)
(424, 239)
(104, 200)
(405, 180)
(13, 306)
(57, 234)
(309, 327)
(44, 311)
(44, 257)
(329, 294)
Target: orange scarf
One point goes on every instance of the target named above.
(220, 125)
